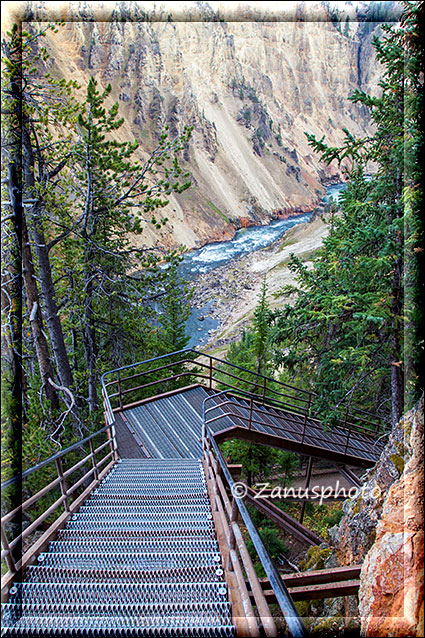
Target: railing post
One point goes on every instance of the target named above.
(203, 441)
(93, 457)
(264, 389)
(119, 389)
(8, 553)
(250, 413)
(112, 440)
(211, 373)
(62, 482)
(307, 483)
(346, 414)
(307, 414)
(234, 514)
(204, 427)
(346, 443)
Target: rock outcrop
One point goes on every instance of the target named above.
(382, 530)
(391, 596)
(250, 88)
(357, 530)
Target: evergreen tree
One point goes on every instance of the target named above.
(175, 310)
(116, 195)
(261, 330)
(34, 105)
(253, 353)
(346, 326)
(75, 194)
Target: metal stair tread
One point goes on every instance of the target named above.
(140, 557)
(180, 591)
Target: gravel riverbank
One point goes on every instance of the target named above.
(231, 291)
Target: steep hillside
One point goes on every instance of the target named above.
(250, 89)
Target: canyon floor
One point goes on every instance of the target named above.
(233, 289)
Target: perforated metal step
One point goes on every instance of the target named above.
(140, 558)
(183, 545)
(109, 593)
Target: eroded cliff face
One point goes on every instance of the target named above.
(250, 89)
(382, 530)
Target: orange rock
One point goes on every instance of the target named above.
(245, 222)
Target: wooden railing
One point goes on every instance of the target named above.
(131, 384)
(68, 482)
(245, 593)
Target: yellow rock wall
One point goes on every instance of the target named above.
(181, 73)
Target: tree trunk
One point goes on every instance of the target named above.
(397, 376)
(51, 310)
(90, 343)
(249, 470)
(53, 321)
(36, 319)
(13, 373)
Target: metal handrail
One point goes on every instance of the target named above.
(205, 354)
(68, 499)
(305, 399)
(313, 422)
(54, 457)
(286, 604)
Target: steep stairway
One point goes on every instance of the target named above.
(140, 558)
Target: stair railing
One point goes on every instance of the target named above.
(228, 507)
(246, 410)
(18, 549)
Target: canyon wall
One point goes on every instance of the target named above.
(381, 530)
(250, 89)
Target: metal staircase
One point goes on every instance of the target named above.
(155, 544)
(139, 558)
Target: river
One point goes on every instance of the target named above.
(246, 240)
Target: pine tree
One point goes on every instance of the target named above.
(346, 326)
(261, 330)
(253, 353)
(34, 104)
(253, 350)
(175, 310)
(116, 194)
(75, 195)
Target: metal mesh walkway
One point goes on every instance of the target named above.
(170, 426)
(140, 558)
